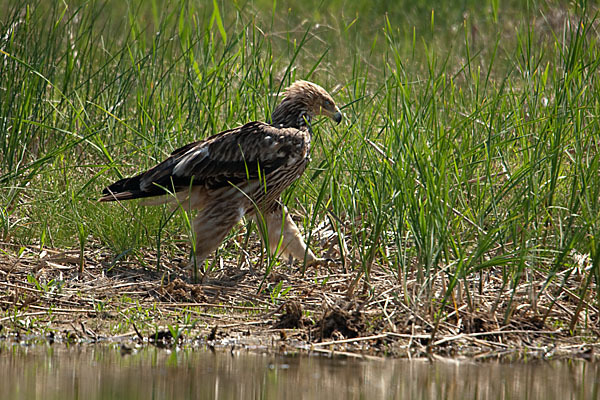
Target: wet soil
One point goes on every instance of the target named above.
(52, 294)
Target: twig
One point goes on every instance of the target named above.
(472, 335)
(348, 354)
(358, 339)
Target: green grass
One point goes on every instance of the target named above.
(469, 147)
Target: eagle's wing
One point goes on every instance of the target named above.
(230, 157)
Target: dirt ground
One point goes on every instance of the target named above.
(47, 295)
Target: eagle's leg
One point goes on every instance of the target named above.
(292, 242)
(211, 226)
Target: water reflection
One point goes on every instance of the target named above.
(101, 372)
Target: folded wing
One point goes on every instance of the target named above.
(250, 152)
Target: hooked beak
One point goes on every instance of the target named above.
(337, 116)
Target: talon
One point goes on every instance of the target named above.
(320, 262)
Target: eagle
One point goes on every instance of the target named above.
(240, 172)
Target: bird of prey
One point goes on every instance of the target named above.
(240, 172)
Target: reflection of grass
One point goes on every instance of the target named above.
(468, 155)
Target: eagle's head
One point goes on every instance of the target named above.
(302, 102)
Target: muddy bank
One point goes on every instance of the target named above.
(327, 310)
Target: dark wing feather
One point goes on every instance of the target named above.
(230, 157)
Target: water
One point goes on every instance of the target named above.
(102, 372)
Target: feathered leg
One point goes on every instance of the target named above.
(211, 226)
(292, 242)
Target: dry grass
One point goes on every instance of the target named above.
(48, 295)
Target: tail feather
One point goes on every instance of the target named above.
(128, 189)
(159, 180)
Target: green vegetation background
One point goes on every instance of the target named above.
(469, 146)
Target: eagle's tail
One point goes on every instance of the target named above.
(157, 181)
(125, 189)
(132, 188)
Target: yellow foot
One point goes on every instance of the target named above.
(320, 262)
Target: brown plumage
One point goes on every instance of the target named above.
(235, 172)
